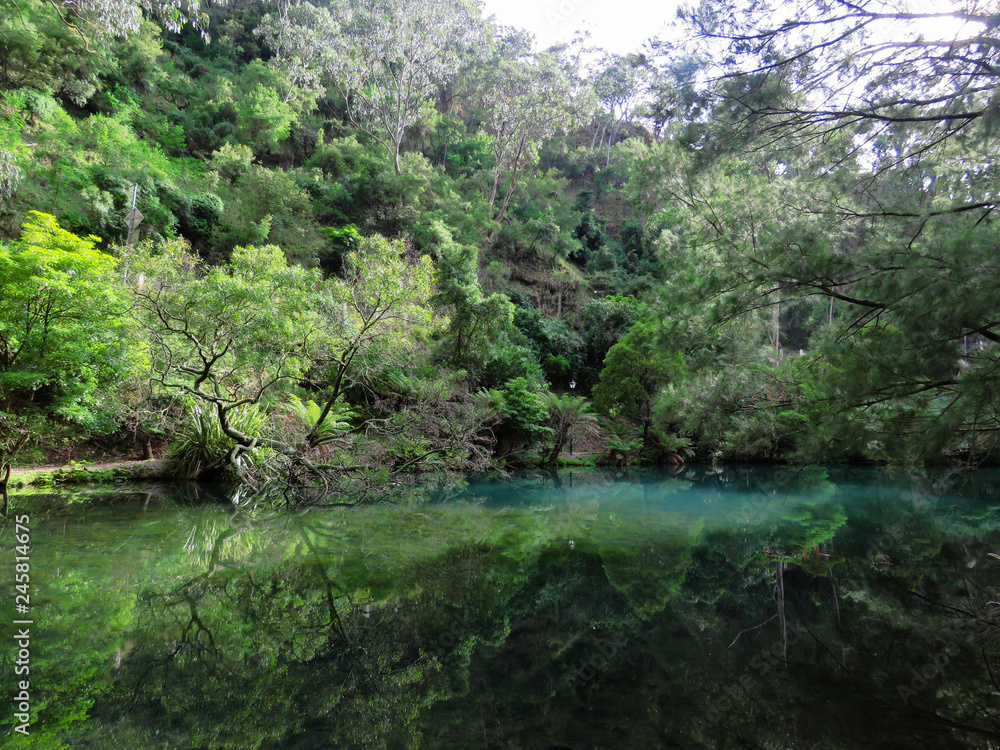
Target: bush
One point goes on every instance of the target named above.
(523, 412)
(72, 359)
(559, 348)
(203, 448)
(340, 241)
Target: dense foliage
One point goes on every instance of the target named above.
(773, 239)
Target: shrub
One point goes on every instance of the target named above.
(202, 447)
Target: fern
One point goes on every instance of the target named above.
(309, 412)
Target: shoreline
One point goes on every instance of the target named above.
(98, 473)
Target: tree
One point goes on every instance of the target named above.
(376, 313)
(391, 57)
(558, 347)
(228, 337)
(635, 370)
(477, 323)
(522, 414)
(118, 19)
(263, 119)
(303, 38)
(619, 87)
(526, 101)
(11, 152)
(481, 329)
(11, 173)
(42, 52)
(866, 180)
(567, 414)
(266, 206)
(889, 374)
(225, 336)
(805, 70)
(605, 320)
(67, 339)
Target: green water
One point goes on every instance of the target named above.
(839, 608)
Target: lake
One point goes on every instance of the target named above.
(724, 607)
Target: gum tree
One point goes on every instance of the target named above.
(619, 86)
(303, 38)
(526, 101)
(105, 19)
(391, 58)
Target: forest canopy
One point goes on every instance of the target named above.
(396, 236)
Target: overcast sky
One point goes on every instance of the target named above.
(615, 25)
(623, 25)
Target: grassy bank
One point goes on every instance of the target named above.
(77, 473)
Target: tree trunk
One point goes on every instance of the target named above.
(496, 187)
(561, 436)
(777, 325)
(4, 480)
(611, 142)
(513, 180)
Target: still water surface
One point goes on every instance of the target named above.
(715, 608)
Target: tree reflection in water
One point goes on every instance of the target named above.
(699, 611)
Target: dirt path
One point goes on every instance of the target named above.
(155, 469)
(79, 467)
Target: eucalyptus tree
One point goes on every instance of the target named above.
(11, 173)
(390, 58)
(104, 19)
(619, 86)
(526, 100)
(304, 39)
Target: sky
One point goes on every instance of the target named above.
(615, 25)
(623, 25)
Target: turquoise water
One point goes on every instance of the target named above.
(713, 608)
